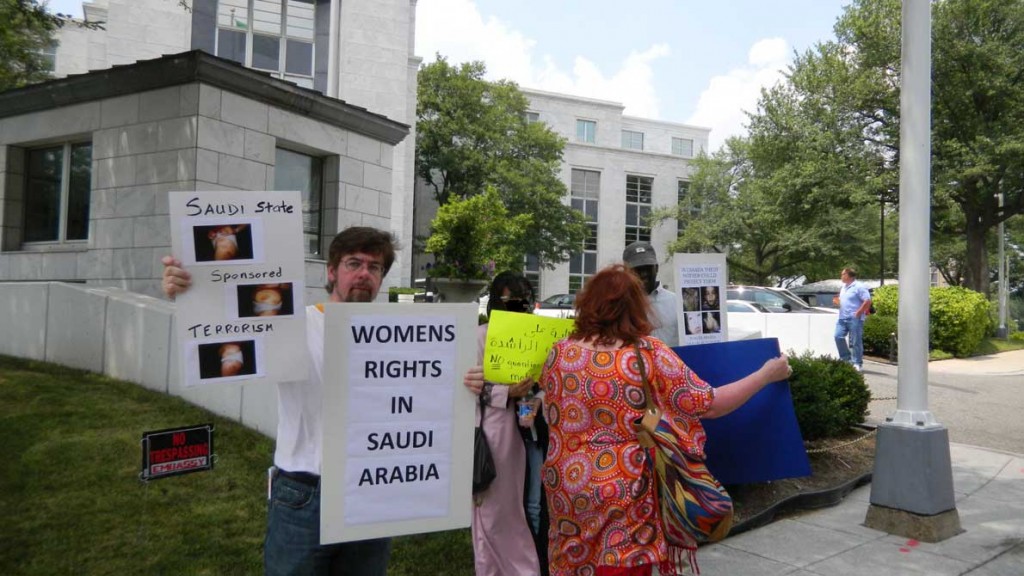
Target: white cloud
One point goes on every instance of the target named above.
(722, 104)
(457, 30)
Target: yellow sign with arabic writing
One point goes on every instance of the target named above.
(518, 344)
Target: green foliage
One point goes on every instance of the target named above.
(877, 332)
(886, 300)
(475, 236)
(472, 135)
(26, 28)
(960, 320)
(829, 396)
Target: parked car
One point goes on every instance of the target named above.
(773, 299)
(557, 306)
(745, 307)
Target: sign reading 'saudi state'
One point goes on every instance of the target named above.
(177, 451)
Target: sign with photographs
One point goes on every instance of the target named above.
(398, 455)
(177, 451)
(701, 279)
(243, 317)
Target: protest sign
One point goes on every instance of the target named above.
(701, 279)
(517, 344)
(243, 317)
(398, 422)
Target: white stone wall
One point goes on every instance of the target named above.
(189, 137)
(133, 30)
(607, 156)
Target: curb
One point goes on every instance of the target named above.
(804, 501)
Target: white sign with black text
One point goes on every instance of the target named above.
(243, 317)
(398, 450)
(701, 281)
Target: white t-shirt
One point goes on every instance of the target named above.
(666, 326)
(300, 407)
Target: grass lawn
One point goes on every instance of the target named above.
(996, 345)
(71, 501)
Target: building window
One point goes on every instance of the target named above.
(584, 191)
(586, 131)
(531, 269)
(295, 171)
(58, 184)
(531, 117)
(682, 147)
(687, 203)
(638, 208)
(48, 57)
(272, 35)
(632, 140)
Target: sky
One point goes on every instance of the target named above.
(701, 63)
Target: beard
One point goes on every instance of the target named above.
(359, 294)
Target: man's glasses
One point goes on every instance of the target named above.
(354, 264)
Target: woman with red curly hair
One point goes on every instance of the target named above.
(601, 498)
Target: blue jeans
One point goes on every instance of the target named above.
(535, 456)
(292, 546)
(852, 328)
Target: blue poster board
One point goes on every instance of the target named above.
(761, 440)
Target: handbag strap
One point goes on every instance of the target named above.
(648, 391)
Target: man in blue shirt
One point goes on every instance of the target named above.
(854, 303)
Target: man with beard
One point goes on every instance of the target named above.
(358, 260)
(641, 258)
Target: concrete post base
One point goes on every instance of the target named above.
(912, 484)
(935, 528)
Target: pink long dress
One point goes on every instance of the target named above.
(502, 543)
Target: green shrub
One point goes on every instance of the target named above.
(959, 319)
(829, 396)
(394, 291)
(886, 299)
(877, 332)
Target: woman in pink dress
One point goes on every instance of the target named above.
(502, 542)
(601, 500)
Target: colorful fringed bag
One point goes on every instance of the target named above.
(695, 508)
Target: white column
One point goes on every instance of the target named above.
(915, 206)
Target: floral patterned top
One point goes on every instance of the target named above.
(600, 498)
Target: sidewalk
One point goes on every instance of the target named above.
(989, 489)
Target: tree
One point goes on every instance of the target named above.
(472, 134)
(977, 110)
(26, 29)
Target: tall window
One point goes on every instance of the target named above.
(638, 208)
(586, 131)
(57, 188)
(531, 269)
(584, 191)
(686, 202)
(271, 35)
(632, 140)
(295, 171)
(682, 147)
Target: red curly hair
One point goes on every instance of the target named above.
(612, 306)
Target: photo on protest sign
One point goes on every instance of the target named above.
(701, 279)
(243, 317)
(398, 458)
(228, 360)
(224, 241)
(176, 451)
(263, 300)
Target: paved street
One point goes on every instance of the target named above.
(980, 400)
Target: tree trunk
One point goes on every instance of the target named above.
(976, 272)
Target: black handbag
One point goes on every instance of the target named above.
(483, 463)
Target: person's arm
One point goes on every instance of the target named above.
(733, 395)
(175, 278)
(863, 310)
